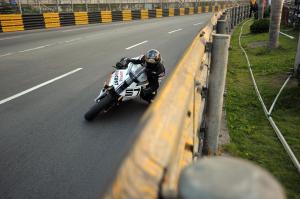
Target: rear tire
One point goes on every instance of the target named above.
(97, 108)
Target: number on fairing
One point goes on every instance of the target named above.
(132, 92)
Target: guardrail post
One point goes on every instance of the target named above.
(242, 12)
(228, 178)
(228, 26)
(216, 90)
(240, 15)
(232, 18)
(222, 27)
(297, 60)
(235, 16)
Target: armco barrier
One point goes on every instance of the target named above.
(144, 14)
(159, 13)
(81, 18)
(167, 130)
(11, 22)
(106, 16)
(152, 13)
(136, 14)
(94, 17)
(67, 19)
(176, 12)
(117, 16)
(51, 20)
(17, 22)
(33, 21)
(126, 14)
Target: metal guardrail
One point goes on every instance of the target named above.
(41, 6)
(18, 22)
(169, 131)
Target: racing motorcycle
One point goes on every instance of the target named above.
(124, 84)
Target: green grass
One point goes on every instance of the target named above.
(251, 135)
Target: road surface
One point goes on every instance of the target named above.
(48, 80)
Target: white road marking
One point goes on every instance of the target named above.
(7, 54)
(38, 86)
(171, 32)
(36, 48)
(7, 38)
(289, 36)
(70, 30)
(68, 41)
(196, 24)
(136, 45)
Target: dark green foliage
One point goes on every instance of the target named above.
(267, 12)
(260, 26)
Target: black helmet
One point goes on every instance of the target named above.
(152, 57)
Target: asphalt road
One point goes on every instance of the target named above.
(48, 80)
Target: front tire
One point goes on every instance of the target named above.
(97, 108)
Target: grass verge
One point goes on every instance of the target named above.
(252, 137)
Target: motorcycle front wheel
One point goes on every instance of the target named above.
(97, 108)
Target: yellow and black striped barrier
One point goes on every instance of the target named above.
(127, 16)
(144, 14)
(81, 18)
(51, 20)
(18, 22)
(206, 9)
(106, 16)
(159, 13)
(181, 11)
(11, 22)
(191, 10)
(199, 10)
(171, 12)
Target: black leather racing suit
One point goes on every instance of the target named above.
(154, 72)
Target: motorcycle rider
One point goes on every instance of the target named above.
(154, 69)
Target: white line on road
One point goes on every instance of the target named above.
(70, 30)
(289, 36)
(38, 86)
(136, 45)
(171, 32)
(36, 48)
(7, 38)
(196, 24)
(7, 54)
(76, 39)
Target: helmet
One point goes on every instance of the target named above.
(152, 57)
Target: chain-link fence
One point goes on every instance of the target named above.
(42, 6)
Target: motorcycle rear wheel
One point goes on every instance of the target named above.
(97, 108)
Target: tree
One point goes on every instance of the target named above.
(276, 10)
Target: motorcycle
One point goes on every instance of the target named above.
(124, 84)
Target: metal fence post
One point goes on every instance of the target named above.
(227, 178)
(72, 6)
(232, 18)
(57, 5)
(297, 60)
(86, 6)
(239, 15)
(216, 90)
(20, 6)
(222, 26)
(40, 9)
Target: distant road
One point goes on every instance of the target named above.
(49, 79)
